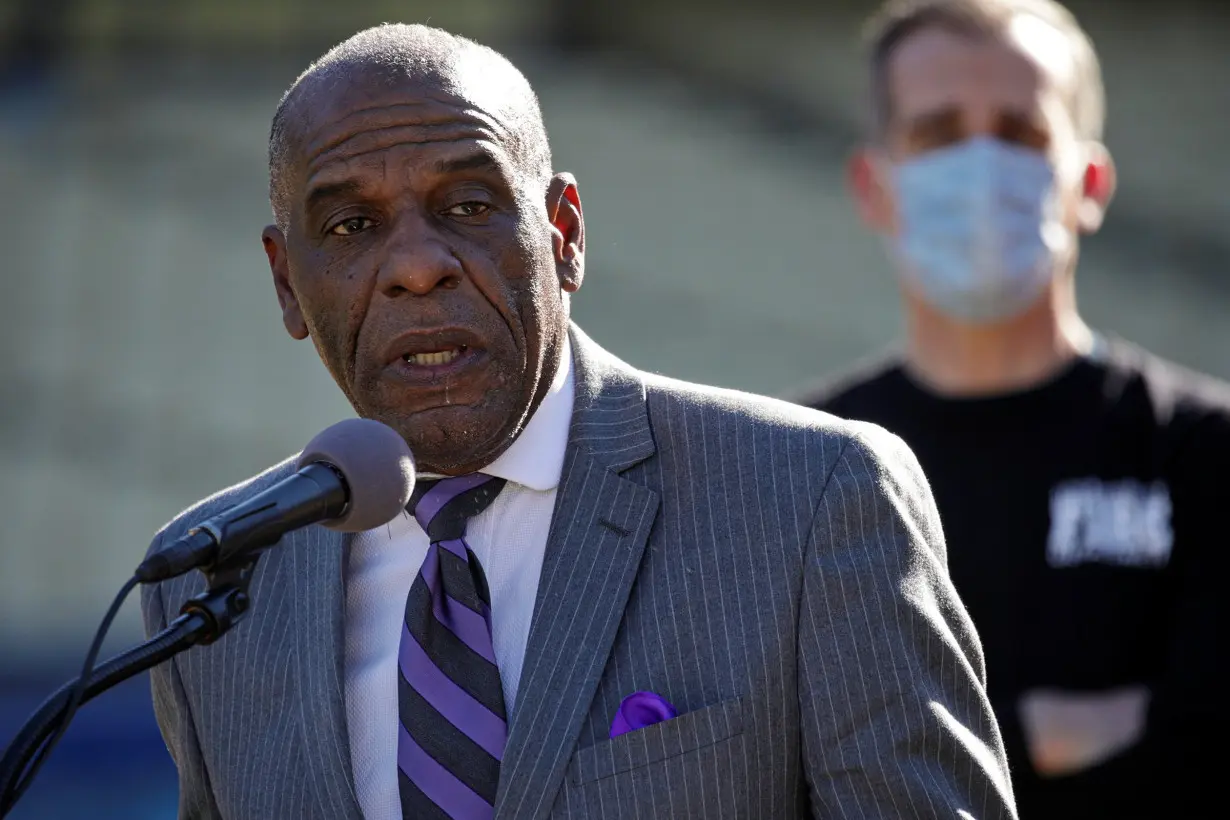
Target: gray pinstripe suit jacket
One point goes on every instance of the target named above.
(775, 573)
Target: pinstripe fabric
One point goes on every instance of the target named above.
(776, 574)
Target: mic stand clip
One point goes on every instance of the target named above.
(224, 602)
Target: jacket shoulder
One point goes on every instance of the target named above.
(667, 395)
(688, 408)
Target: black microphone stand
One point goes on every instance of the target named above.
(203, 619)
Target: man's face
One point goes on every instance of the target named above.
(946, 87)
(421, 259)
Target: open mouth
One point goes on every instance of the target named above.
(435, 358)
(448, 358)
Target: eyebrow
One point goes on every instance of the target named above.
(476, 161)
(321, 193)
(1018, 119)
(943, 118)
(471, 162)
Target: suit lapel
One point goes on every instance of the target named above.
(601, 525)
(316, 557)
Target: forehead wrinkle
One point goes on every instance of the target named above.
(489, 150)
(338, 125)
(382, 139)
(439, 111)
(442, 114)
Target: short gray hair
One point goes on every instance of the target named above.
(898, 19)
(402, 50)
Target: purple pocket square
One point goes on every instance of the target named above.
(641, 709)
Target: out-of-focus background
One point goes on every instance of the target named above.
(145, 365)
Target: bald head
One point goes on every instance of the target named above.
(395, 54)
(423, 242)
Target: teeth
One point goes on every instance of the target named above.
(437, 358)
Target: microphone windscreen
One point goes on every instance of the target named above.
(377, 466)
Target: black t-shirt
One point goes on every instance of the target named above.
(1086, 524)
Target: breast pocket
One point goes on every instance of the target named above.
(689, 766)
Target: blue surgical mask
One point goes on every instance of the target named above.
(979, 228)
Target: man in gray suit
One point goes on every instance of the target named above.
(616, 595)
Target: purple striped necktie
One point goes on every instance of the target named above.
(450, 703)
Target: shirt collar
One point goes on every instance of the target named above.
(536, 458)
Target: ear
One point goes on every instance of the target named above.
(567, 230)
(867, 179)
(1097, 188)
(275, 248)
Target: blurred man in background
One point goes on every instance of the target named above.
(1080, 480)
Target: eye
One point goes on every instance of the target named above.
(351, 225)
(468, 209)
(1021, 130)
(934, 130)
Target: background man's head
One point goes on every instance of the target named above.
(959, 86)
(420, 238)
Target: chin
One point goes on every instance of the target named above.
(453, 438)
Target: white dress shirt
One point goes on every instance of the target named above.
(509, 538)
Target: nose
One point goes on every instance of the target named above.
(418, 260)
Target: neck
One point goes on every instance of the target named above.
(955, 359)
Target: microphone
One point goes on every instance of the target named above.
(353, 476)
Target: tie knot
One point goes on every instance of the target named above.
(443, 506)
